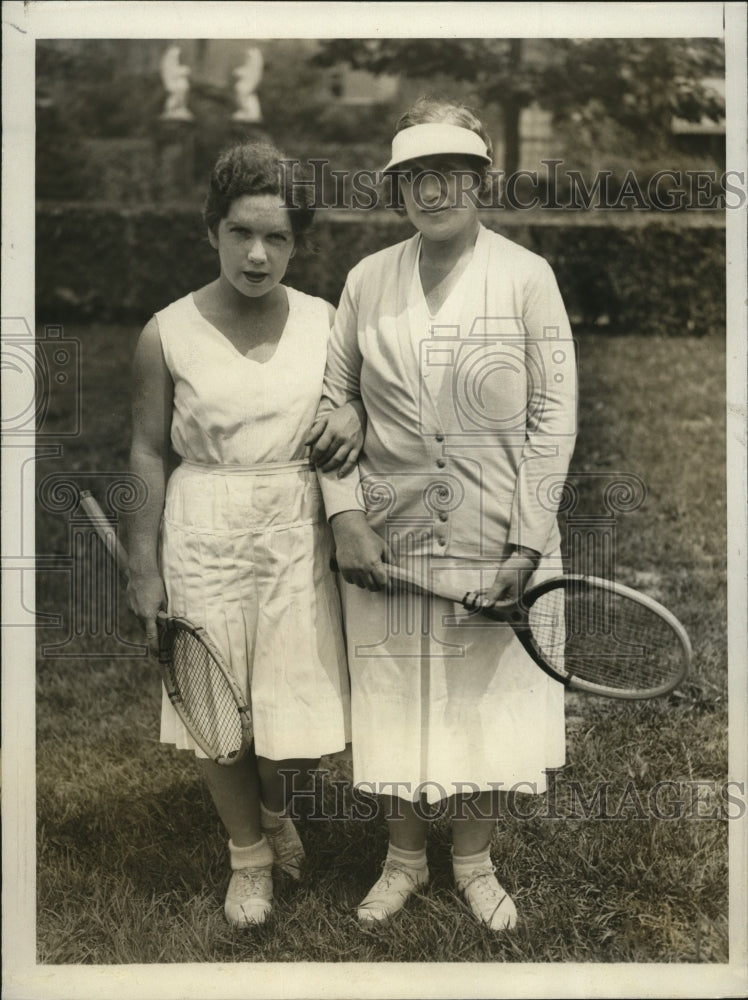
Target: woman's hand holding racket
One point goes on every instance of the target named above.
(146, 597)
(512, 577)
(361, 555)
(588, 633)
(197, 679)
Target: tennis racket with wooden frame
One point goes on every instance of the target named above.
(590, 634)
(197, 679)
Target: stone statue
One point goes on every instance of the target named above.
(248, 77)
(176, 82)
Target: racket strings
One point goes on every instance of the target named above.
(204, 694)
(605, 638)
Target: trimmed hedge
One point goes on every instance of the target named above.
(630, 274)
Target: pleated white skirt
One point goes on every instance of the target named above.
(246, 553)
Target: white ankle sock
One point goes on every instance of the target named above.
(253, 856)
(461, 863)
(411, 859)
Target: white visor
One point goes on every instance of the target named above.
(433, 139)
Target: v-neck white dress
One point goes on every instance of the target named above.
(245, 543)
(444, 702)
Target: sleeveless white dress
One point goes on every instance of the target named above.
(245, 543)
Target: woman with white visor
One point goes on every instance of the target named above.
(458, 344)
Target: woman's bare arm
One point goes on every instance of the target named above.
(152, 404)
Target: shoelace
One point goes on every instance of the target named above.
(390, 871)
(487, 891)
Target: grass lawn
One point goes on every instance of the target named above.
(132, 861)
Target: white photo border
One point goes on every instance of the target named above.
(24, 23)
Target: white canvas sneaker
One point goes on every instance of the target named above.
(490, 903)
(390, 892)
(249, 898)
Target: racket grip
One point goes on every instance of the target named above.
(104, 529)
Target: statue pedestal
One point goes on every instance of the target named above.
(175, 155)
(250, 112)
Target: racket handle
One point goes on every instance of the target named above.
(104, 529)
(509, 612)
(395, 575)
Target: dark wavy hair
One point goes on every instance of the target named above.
(434, 109)
(257, 167)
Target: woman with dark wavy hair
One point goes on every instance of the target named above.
(229, 378)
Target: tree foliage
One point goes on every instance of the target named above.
(639, 84)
